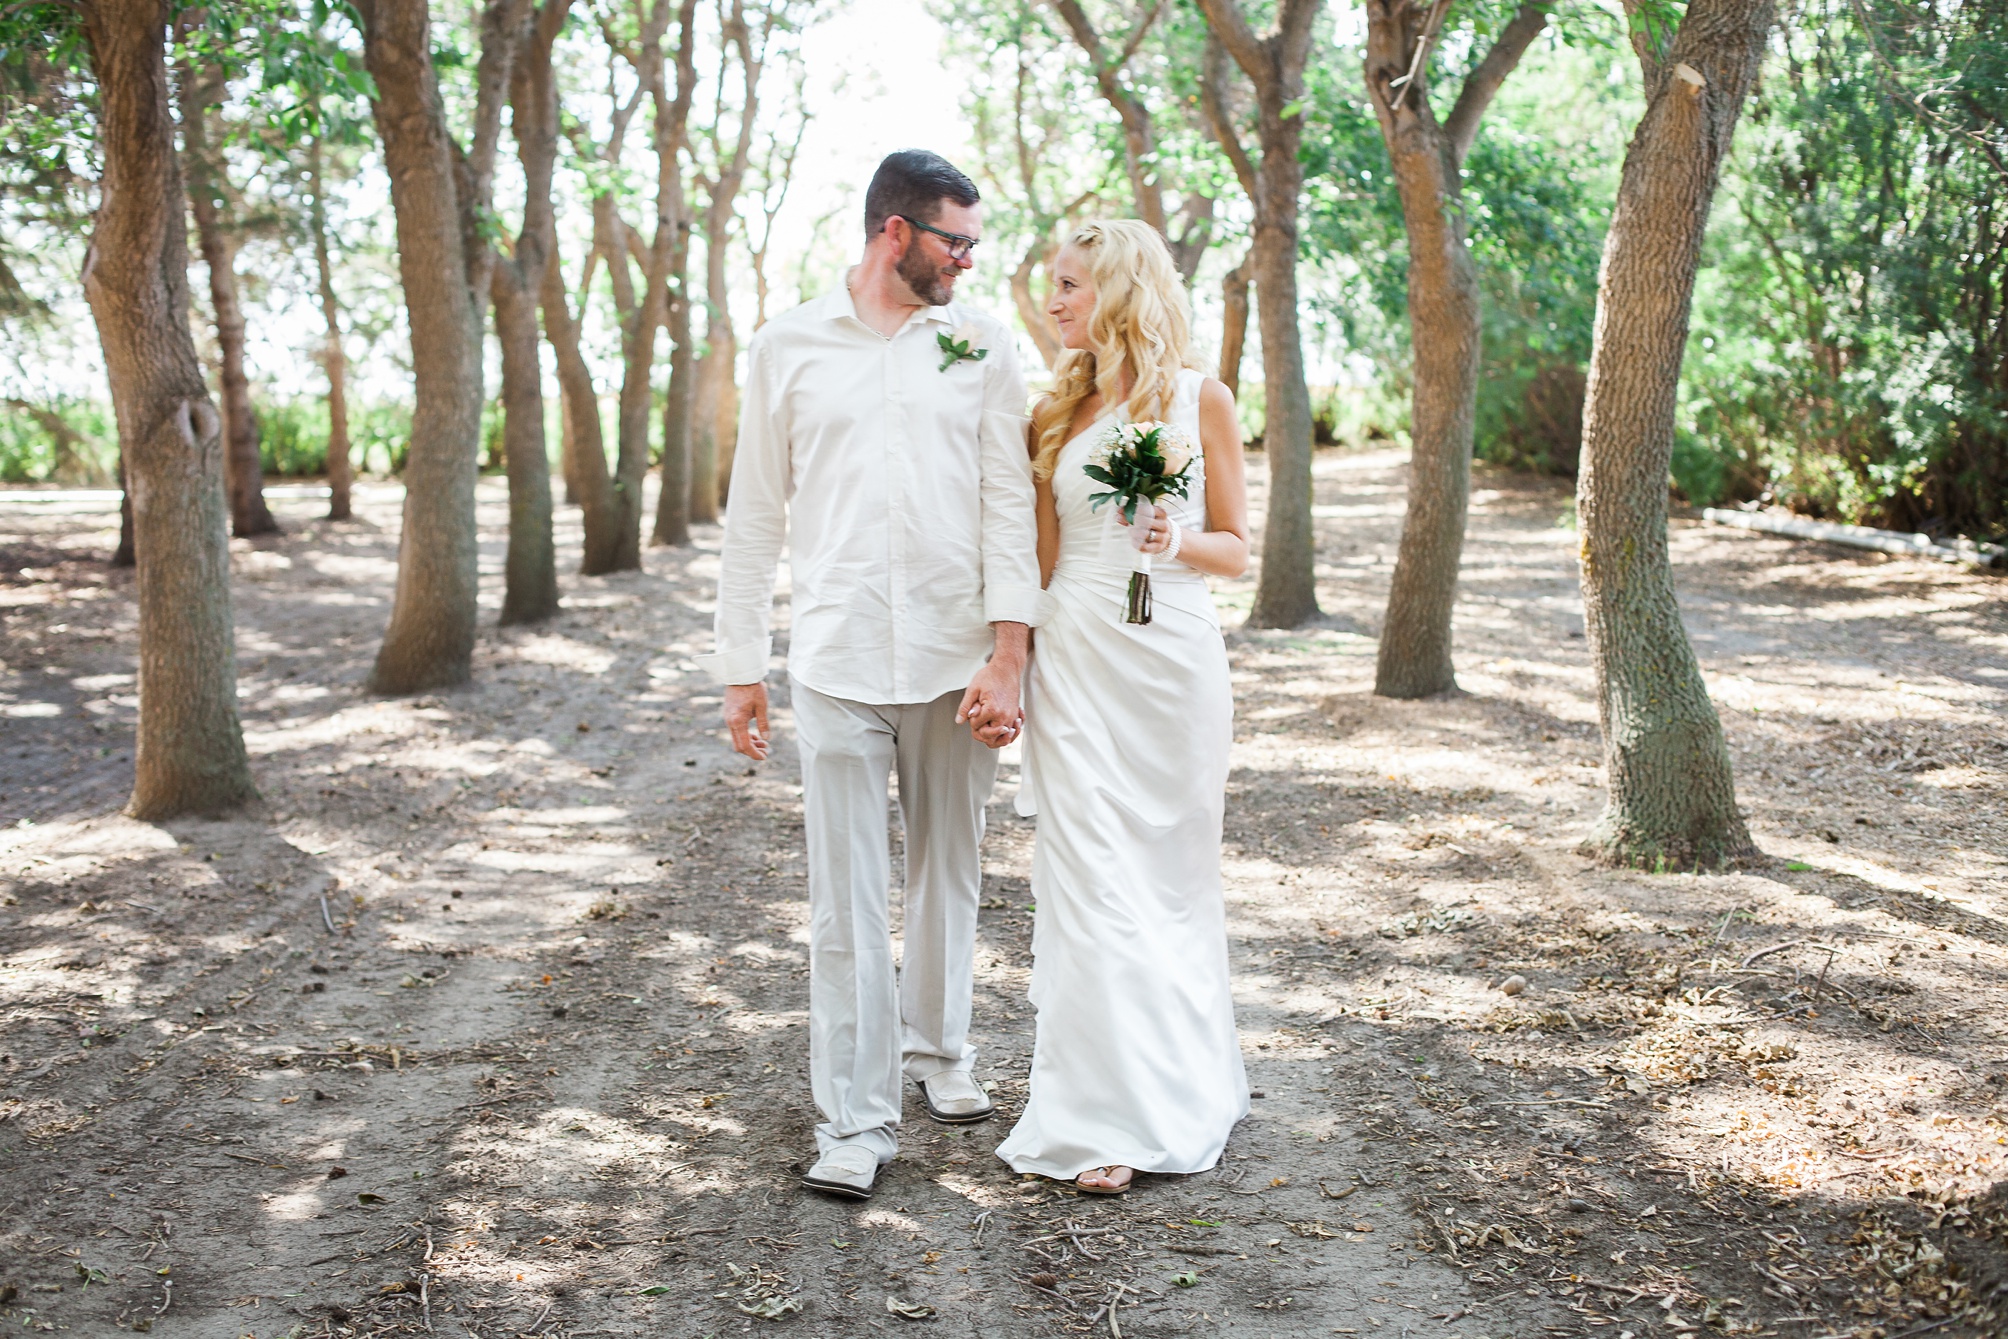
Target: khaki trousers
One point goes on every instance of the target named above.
(868, 1024)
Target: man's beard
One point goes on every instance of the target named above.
(923, 276)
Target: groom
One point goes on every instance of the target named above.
(882, 433)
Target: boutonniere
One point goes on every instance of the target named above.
(960, 347)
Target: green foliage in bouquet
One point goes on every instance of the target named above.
(1134, 466)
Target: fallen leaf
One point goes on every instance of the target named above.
(1188, 1279)
(772, 1308)
(657, 1291)
(908, 1310)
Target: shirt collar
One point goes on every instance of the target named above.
(839, 303)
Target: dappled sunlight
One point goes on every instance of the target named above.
(539, 992)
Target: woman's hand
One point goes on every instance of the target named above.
(1159, 522)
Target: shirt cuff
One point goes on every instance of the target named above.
(738, 664)
(1016, 604)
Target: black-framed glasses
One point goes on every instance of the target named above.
(959, 246)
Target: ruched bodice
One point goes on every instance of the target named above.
(1094, 545)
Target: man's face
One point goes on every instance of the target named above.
(925, 265)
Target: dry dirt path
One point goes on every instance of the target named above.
(490, 1021)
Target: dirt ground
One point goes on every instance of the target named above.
(490, 1021)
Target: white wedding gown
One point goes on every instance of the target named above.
(1136, 1060)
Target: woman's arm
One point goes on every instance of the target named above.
(1043, 510)
(1049, 530)
(1222, 548)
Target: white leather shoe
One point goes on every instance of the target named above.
(845, 1170)
(953, 1098)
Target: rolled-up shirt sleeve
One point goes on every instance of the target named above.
(1011, 591)
(756, 524)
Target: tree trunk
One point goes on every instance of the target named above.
(1672, 797)
(717, 399)
(672, 504)
(1233, 325)
(190, 755)
(568, 449)
(715, 406)
(715, 420)
(123, 555)
(530, 571)
(1031, 313)
(1443, 309)
(1286, 593)
(587, 456)
(243, 472)
(332, 357)
(430, 641)
(638, 331)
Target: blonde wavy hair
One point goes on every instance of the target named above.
(1139, 331)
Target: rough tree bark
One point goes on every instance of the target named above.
(530, 570)
(436, 191)
(340, 475)
(1672, 797)
(244, 474)
(190, 755)
(586, 460)
(1286, 594)
(1443, 311)
(672, 238)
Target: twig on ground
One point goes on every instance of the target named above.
(326, 919)
(1755, 954)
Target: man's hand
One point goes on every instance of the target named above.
(990, 706)
(746, 718)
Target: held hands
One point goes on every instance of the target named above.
(990, 706)
(1158, 520)
(746, 718)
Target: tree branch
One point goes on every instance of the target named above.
(1137, 35)
(1213, 96)
(1228, 26)
(1482, 84)
(1139, 141)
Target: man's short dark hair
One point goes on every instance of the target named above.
(914, 182)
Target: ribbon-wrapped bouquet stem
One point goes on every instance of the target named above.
(1140, 462)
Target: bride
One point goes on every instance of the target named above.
(1136, 1066)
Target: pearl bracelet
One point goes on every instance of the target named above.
(1177, 536)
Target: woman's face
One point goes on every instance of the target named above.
(1073, 297)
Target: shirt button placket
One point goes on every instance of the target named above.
(896, 528)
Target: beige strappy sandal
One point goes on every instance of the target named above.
(1108, 1170)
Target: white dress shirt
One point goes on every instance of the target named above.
(905, 494)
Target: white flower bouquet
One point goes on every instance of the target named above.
(1139, 462)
